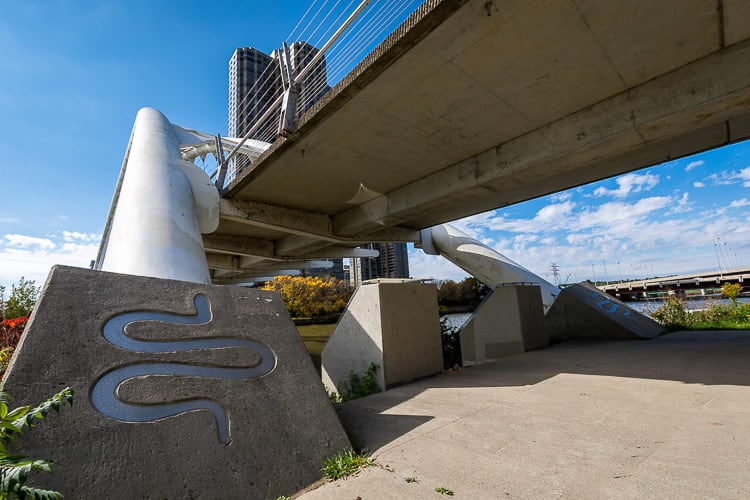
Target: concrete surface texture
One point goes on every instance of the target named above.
(182, 390)
(574, 92)
(509, 321)
(393, 324)
(664, 418)
(584, 311)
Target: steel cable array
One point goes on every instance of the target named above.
(321, 28)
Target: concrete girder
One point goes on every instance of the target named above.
(238, 245)
(303, 226)
(241, 264)
(711, 94)
(264, 249)
(289, 220)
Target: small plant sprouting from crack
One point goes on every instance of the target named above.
(345, 464)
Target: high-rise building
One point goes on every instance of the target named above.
(393, 262)
(255, 83)
(251, 91)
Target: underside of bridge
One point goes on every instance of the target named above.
(475, 105)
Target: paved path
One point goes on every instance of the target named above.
(663, 418)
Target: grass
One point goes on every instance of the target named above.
(345, 464)
(315, 336)
(444, 491)
(411, 480)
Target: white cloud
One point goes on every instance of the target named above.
(23, 241)
(694, 164)
(698, 184)
(739, 203)
(32, 257)
(629, 183)
(9, 220)
(744, 175)
(682, 206)
(726, 178)
(423, 266)
(563, 196)
(76, 236)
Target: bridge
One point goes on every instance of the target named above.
(686, 285)
(474, 105)
(470, 106)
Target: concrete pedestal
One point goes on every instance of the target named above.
(393, 324)
(509, 321)
(182, 390)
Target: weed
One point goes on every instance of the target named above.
(358, 386)
(334, 396)
(444, 491)
(344, 464)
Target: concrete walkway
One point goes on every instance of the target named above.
(662, 418)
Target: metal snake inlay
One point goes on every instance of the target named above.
(104, 392)
(601, 303)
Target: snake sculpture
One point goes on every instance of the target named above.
(104, 392)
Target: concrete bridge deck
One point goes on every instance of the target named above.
(664, 418)
(473, 105)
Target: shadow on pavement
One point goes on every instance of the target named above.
(707, 357)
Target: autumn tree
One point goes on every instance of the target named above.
(470, 291)
(731, 291)
(308, 297)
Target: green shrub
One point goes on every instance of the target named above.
(21, 300)
(672, 314)
(451, 342)
(357, 386)
(15, 469)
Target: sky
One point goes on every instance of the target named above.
(74, 75)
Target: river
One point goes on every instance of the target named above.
(643, 306)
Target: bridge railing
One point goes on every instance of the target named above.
(328, 41)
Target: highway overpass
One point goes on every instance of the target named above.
(682, 284)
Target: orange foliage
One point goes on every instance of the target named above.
(308, 297)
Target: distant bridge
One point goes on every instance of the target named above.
(699, 284)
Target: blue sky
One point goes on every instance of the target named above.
(75, 74)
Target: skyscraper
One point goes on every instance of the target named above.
(392, 262)
(251, 91)
(255, 82)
